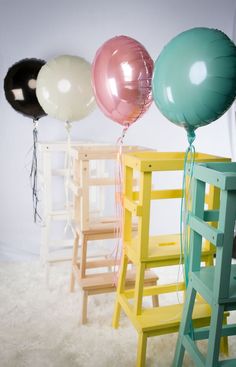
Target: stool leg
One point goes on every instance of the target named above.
(155, 301)
(209, 261)
(214, 335)
(74, 261)
(224, 344)
(120, 289)
(138, 292)
(155, 298)
(184, 325)
(72, 281)
(83, 259)
(84, 307)
(109, 268)
(142, 347)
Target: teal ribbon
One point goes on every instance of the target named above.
(189, 160)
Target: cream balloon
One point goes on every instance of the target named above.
(64, 88)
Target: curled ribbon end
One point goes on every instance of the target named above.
(34, 173)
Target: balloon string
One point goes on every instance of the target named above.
(34, 173)
(189, 160)
(68, 126)
(116, 253)
(185, 205)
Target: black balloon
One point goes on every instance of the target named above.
(20, 87)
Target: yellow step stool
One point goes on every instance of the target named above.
(147, 252)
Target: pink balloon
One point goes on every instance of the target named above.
(122, 79)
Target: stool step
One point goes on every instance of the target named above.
(227, 330)
(58, 258)
(227, 363)
(103, 225)
(108, 280)
(205, 279)
(162, 248)
(164, 319)
(58, 214)
(98, 263)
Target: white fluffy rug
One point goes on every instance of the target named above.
(39, 327)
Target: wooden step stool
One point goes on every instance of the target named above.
(95, 229)
(216, 284)
(147, 252)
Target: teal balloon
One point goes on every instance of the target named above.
(194, 79)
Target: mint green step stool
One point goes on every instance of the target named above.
(216, 284)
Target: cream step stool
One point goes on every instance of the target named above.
(147, 251)
(99, 228)
(52, 175)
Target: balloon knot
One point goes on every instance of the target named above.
(35, 123)
(191, 136)
(68, 126)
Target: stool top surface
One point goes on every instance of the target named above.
(219, 174)
(164, 161)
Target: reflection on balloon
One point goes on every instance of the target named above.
(64, 88)
(194, 79)
(20, 87)
(121, 78)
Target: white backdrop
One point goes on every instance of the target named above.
(47, 28)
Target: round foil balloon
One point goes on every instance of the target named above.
(194, 80)
(121, 77)
(20, 87)
(64, 88)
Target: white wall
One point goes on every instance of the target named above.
(45, 29)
